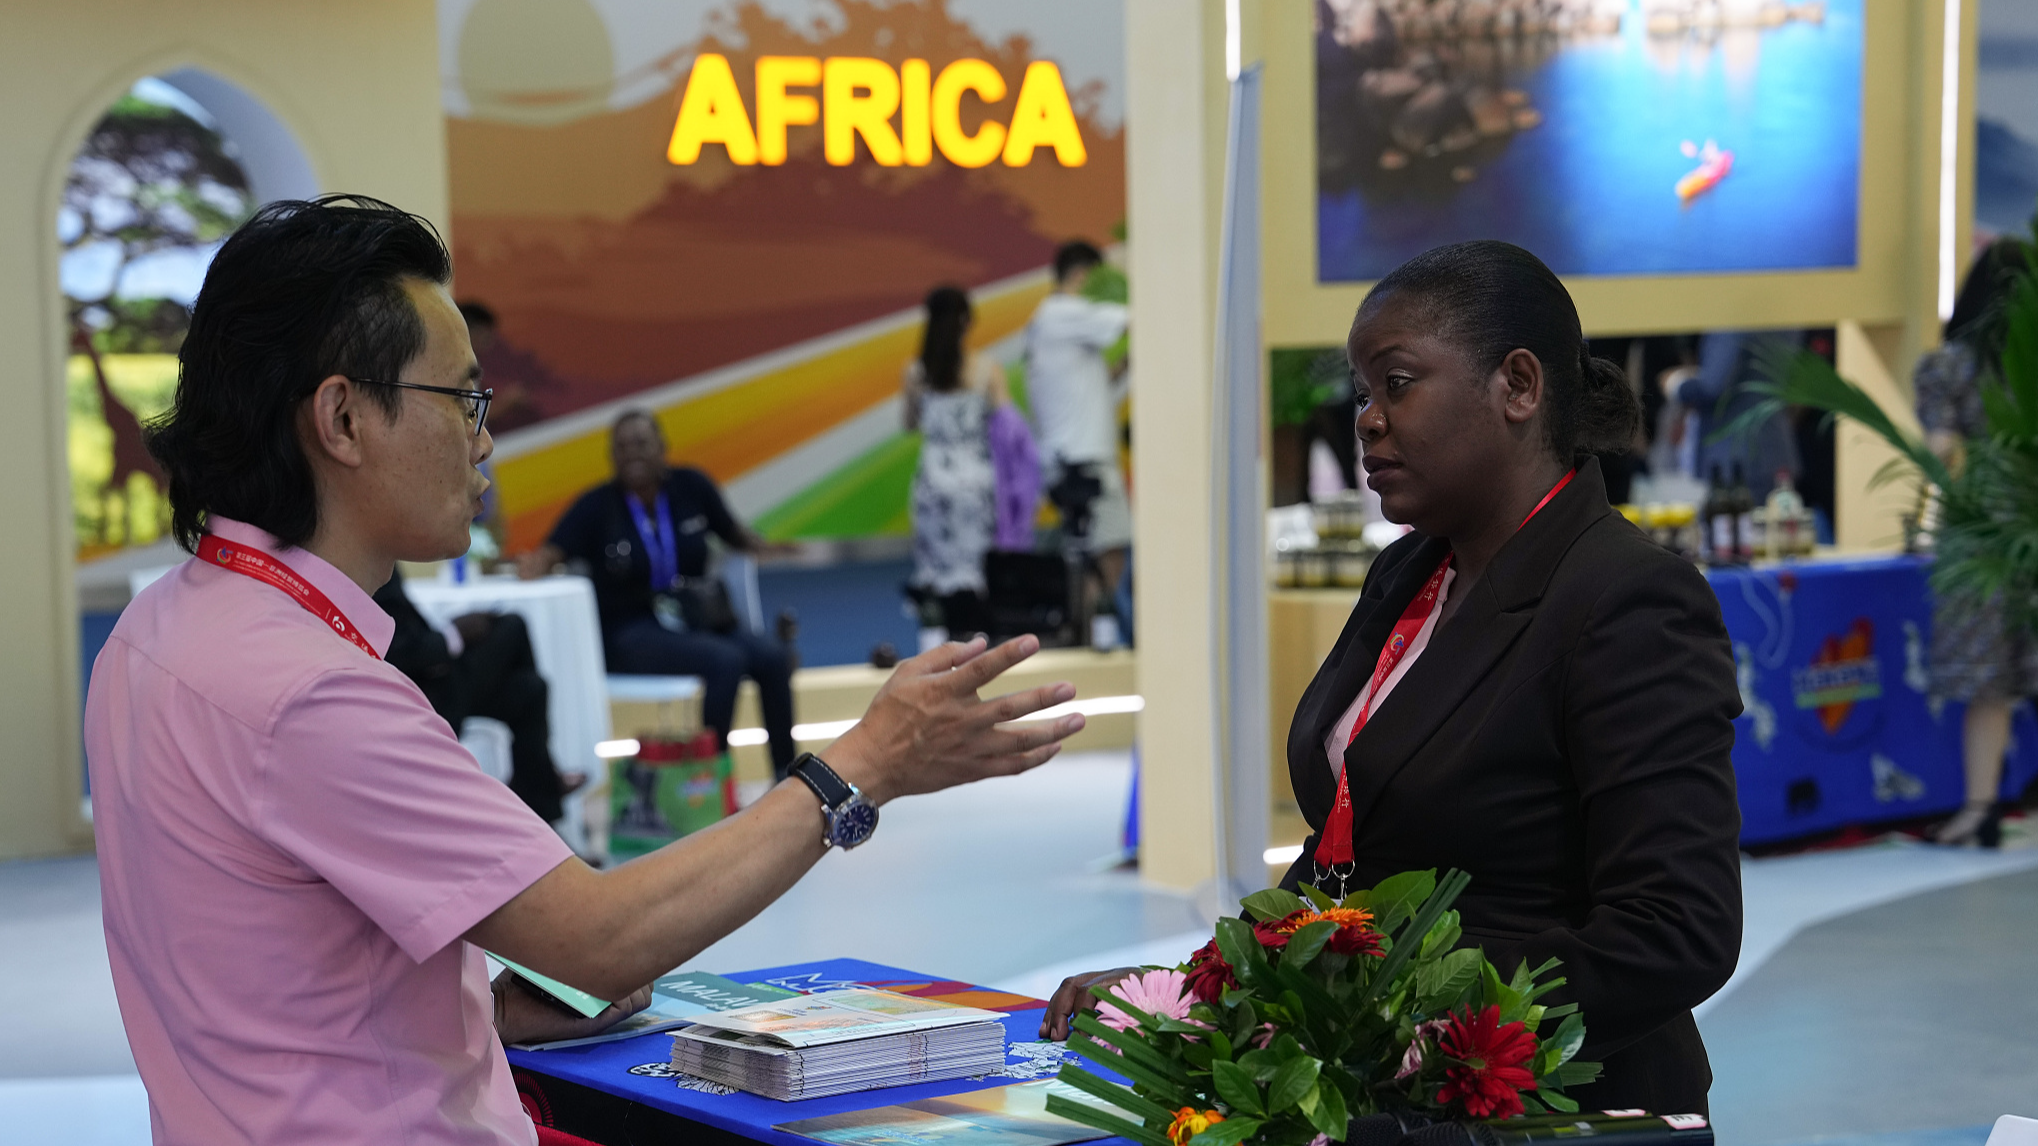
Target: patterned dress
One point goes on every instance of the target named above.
(954, 517)
(1976, 653)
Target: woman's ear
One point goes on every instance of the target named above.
(1521, 375)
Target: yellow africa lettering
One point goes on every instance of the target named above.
(776, 108)
(918, 140)
(1043, 118)
(946, 113)
(711, 111)
(859, 95)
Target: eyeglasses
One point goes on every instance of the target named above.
(475, 404)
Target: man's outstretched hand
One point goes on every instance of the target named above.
(927, 729)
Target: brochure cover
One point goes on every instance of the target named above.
(1002, 1116)
(676, 1000)
(840, 1016)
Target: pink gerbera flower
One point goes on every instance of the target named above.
(1163, 994)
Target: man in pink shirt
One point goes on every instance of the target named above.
(300, 863)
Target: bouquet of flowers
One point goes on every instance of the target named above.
(1305, 1013)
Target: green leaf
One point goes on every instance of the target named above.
(1272, 904)
(1295, 1078)
(1229, 1132)
(1088, 1115)
(1318, 899)
(1236, 1087)
(1558, 1100)
(1325, 1109)
(1442, 937)
(1396, 898)
(1569, 1037)
(1241, 949)
(1121, 1097)
(1306, 944)
(1440, 984)
(1575, 1073)
(1384, 977)
(1135, 1054)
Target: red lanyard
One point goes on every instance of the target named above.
(266, 569)
(1335, 846)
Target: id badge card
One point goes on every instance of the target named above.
(665, 607)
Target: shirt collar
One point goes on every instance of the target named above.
(339, 588)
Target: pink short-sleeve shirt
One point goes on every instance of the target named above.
(291, 844)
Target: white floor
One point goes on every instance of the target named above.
(996, 884)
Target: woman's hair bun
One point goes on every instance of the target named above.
(1607, 415)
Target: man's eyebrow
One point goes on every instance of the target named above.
(474, 371)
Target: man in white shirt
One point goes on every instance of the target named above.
(1075, 399)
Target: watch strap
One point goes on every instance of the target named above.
(833, 790)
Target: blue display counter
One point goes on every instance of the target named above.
(1839, 727)
(627, 1091)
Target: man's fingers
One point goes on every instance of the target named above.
(1012, 706)
(982, 670)
(944, 656)
(1033, 734)
(1013, 763)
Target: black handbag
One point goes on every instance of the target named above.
(705, 606)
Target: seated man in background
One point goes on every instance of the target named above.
(481, 665)
(300, 866)
(643, 540)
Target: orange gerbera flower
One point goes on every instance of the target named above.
(1355, 934)
(1342, 916)
(1190, 1122)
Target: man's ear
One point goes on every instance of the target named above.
(1521, 374)
(331, 421)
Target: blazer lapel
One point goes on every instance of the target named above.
(1350, 674)
(1464, 652)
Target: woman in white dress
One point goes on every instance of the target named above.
(950, 392)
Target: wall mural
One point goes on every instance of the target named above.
(1608, 136)
(728, 213)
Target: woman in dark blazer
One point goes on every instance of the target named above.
(1561, 730)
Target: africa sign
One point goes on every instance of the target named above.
(859, 97)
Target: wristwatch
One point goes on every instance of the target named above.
(849, 817)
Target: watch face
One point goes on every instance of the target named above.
(854, 822)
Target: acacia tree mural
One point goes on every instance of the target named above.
(150, 181)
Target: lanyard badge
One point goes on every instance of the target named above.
(250, 562)
(1334, 858)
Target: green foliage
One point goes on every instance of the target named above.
(1314, 1036)
(1298, 381)
(1986, 535)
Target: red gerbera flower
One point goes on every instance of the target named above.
(1209, 974)
(1488, 1074)
(1354, 935)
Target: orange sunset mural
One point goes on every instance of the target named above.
(762, 310)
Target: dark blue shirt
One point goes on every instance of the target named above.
(598, 531)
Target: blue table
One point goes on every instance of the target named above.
(639, 1072)
(1838, 727)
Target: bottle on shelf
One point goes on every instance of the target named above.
(1715, 526)
(1743, 501)
(1785, 533)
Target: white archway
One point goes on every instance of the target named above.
(277, 166)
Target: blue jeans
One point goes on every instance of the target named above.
(721, 661)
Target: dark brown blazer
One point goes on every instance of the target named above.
(1565, 740)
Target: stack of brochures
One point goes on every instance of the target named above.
(678, 999)
(817, 1045)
